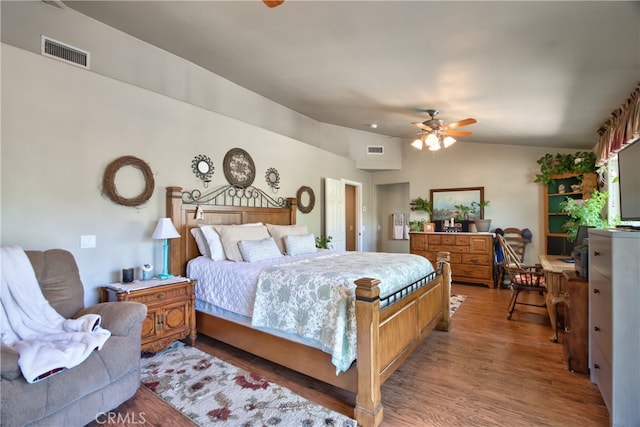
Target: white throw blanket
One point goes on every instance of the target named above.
(46, 341)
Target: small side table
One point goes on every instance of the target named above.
(554, 266)
(170, 309)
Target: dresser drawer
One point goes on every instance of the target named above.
(462, 240)
(471, 271)
(477, 259)
(601, 320)
(600, 255)
(601, 372)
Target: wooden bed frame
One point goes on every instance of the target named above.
(385, 337)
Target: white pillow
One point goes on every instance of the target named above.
(201, 242)
(216, 251)
(230, 235)
(300, 244)
(258, 250)
(278, 232)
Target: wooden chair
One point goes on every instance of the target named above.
(521, 277)
(513, 236)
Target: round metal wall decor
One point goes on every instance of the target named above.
(239, 168)
(202, 166)
(305, 193)
(109, 184)
(273, 179)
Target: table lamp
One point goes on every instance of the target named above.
(165, 230)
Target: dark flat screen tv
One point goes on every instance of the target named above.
(629, 181)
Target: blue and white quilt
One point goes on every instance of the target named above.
(315, 298)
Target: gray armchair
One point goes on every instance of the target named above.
(102, 382)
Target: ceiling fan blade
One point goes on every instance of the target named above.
(273, 3)
(460, 123)
(413, 135)
(422, 126)
(451, 132)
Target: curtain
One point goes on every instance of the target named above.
(622, 128)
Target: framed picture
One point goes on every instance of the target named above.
(457, 203)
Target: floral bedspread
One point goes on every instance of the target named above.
(315, 298)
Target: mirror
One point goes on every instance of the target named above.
(202, 167)
(273, 179)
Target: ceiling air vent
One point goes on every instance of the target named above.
(375, 149)
(64, 52)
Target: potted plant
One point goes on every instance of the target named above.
(420, 204)
(580, 162)
(482, 225)
(417, 225)
(584, 212)
(322, 242)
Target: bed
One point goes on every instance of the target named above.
(387, 329)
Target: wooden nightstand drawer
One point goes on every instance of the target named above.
(170, 310)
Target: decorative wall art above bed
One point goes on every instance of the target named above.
(239, 168)
(273, 179)
(203, 168)
(306, 199)
(109, 185)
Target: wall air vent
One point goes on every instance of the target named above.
(375, 149)
(64, 52)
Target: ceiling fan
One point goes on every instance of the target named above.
(436, 134)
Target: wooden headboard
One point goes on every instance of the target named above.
(226, 205)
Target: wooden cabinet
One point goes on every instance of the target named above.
(170, 312)
(576, 321)
(471, 253)
(565, 185)
(614, 322)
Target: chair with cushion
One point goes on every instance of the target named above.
(107, 378)
(514, 237)
(522, 277)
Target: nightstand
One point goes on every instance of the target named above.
(170, 309)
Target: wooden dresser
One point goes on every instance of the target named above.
(614, 322)
(170, 312)
(576, 321)
(471, 253)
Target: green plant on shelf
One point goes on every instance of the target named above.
(420, 204)
(587, 212)
(580, 162)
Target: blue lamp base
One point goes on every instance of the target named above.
(165, 272)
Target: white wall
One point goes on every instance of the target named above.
(62, 125)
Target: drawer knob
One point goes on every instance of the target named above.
(596, 253)
(596, 328)
(160, 296)
(596, 366)
(567, 329)
(596, 291)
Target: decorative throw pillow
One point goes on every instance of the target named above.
(201, 242)
(259, 250)
(300, 244)
(278, 232)
(214, 243)
(230, 235)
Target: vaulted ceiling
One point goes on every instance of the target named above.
(530, 72)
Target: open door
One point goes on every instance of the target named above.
(337, 223)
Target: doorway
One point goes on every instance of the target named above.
(343, 214)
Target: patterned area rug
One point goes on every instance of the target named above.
(455, 302)
(210, 391)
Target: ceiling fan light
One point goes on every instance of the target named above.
(417, 144)
(432, 140)
(448, 141)
(434, 147)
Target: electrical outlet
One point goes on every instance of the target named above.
(87, 241)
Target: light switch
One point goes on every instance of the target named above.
(87, 241)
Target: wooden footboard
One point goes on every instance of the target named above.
(386, 337)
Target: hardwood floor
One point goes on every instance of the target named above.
(486, 371)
